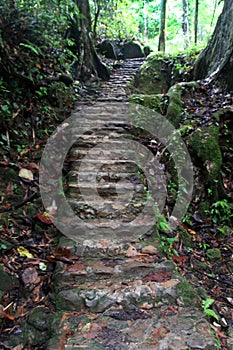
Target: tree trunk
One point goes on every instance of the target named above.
(89, 63)
(196, 21)
(216, 61)
(185, 23)
(162, 26)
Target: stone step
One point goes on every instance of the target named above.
(100, 152)
(109, 165)
(106, 189)
(112, 294)
(122, 229)
(114, 144)
(107, 176)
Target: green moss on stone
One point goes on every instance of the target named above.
(204, 143)
(187, 293)
(174, 111)
(213, 254)
(186, 238)
(154, 76)
(151, 101)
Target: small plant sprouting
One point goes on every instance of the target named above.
(206, 308)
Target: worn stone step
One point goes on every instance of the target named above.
(109, 165)
(116, 143)
(99, 152)
(106, 189)
(108, 274)
(121, 230)
(109, 176)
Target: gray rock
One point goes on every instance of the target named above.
(132, 50)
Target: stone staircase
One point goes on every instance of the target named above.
(117, 291)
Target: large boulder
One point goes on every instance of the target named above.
(111, 49)
(115, 49)
(132, 50)
(161, 71)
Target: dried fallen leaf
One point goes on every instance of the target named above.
(131, 252)
(45, 218)
(159, 276)
(31, 165)
(26, 174)
(5, 314)
(30, 276)
(146, 306)
(61, 251)
(76, 267)
(180, 260)
(192, 232)
(158, 334)
(149, 249)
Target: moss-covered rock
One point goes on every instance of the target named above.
(189, 295)
(161, 71)
(174, 111)
(204, 144)
(155, 75)
(151, 101)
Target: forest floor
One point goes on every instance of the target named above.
(29, 250)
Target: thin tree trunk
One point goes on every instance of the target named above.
(185, 23)
(96, 17)
(145, 20)
(196, 21)
(162, 26)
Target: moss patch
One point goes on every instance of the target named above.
(151, 101)
(213, 254)
(174, 111)
(161, 71)
(188, 294)
(204, 143)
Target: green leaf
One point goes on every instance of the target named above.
(211, 313)
(32, 48)
(207, 303)
(42, 266)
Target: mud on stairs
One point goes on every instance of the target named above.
(118, 295)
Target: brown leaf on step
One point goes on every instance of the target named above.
(159, 334)
(149, 249)
(159, 276)
(45, 218)
(64, 252)
(76, 267)
(180, 260)
(131, 252)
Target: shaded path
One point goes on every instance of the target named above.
(118, 295)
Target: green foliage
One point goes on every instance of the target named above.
(206, 308)
(125, 19)
(34, 51)
(221, 211)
